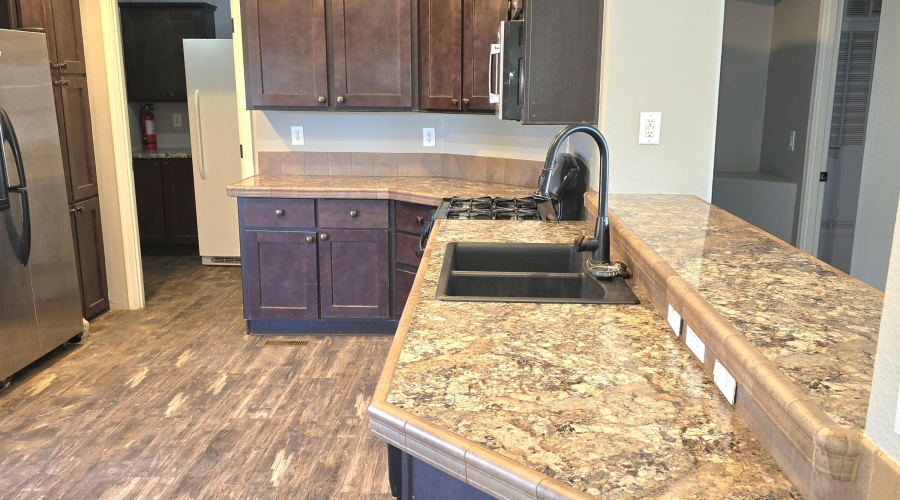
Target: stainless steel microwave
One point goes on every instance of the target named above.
(507, 82)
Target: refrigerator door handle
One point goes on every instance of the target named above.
(202, 164)
(24, 253)
(8, 135)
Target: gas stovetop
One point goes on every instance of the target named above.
(488, 208)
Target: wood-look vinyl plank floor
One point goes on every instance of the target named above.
(176, 402)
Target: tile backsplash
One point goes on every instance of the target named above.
(478, 168)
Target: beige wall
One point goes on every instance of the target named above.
(878, 208)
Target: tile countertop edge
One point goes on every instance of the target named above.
(827, 447)
(445, 450)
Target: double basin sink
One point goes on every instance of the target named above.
(525, 272)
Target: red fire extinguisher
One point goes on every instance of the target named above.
(148, 127)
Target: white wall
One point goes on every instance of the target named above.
(660, 56)
(742, 89)
(880, 185)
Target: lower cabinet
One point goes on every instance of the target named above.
(166, 206)
(88, 236)
(280, 275)
(354, 270)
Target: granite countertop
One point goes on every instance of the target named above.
(815, 323)
(425, 190)
(603, 399)
(161, 153)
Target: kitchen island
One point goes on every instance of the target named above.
(563, 401)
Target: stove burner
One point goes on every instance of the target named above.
(484, 203)
(466, 214)
(517, 214)
(529, 203)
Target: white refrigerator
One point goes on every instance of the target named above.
(215, 146)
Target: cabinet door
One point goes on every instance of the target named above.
(66, 18)
(372, 53)
(89, 255)
(33, 15)
(77, 141)
(180, 204)
(280, 276)
(440, 55)
(354, 268)
(481, 27)
(284, 53)
(148, 193)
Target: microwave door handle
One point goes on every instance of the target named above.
(493, 70)
(8, 135)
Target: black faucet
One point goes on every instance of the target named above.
(599, 265)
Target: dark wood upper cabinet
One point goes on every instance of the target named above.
(354, 272)
(455, 38)
(152, 35)
(372, 53)
(284, 53)
(76, 137)
(9, 15)
(288, 43)
(280, 275)
(61, 21)
(440, 55)
(90, 258)
(180, 202)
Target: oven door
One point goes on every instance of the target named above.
(507, 69)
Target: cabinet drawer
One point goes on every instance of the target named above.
(406, 249)
(277, 212)
(404, 283)
(354, 214)
(411, 217)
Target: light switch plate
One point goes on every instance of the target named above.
(726, 383)
(176, 120)
(297, 138)
(674, 320)
(650, 126)
(695, 344)
(428, 137)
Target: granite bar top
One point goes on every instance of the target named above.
(161, 153)
(425, 190)
(815, 323)
(598, 400)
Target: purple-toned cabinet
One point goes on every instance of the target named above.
(281, 281)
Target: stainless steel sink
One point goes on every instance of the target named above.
(525, 272)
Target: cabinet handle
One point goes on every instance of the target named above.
(310, 239)
(354, 213)
(324, 237)
(420, 219)
(279, 213)
(340, 99)
(455, 102)
(322, 99)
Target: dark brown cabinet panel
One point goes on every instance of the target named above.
(284, 53)
(353, 267)
(454, 46)
(406, 246)
(148, 193)
(152, 35)
(9, 16)
(440, 55)
(354, 214)
(404, 284)
(61, 21)
(180, 202)
(481, 26)
(279, 213)
(88, 235)
(279, 274)
(372, 53)
(76, 137)
(166, 206)
(411, 216)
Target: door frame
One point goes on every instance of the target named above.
(812, 192)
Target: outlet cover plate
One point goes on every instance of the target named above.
(428, 138)
(650, 127)
(176, 120)
(297, 138)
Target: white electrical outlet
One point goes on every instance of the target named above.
(428, 139)
(176, 120)
(725, 382)
(674, 321)
(297, 135)
(792, 140)
(650, 126)
(695, 344)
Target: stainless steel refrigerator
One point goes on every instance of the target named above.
(40, 305)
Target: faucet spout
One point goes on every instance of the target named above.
(600, 261)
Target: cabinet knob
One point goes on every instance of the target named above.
(420, 219)
(72, 210)
(79, 209)
(279, 213)
(324, 237)
(322, 99)
(54, 66)
(340, 99)
(354, 213)
(65, 83)
(455, 102)
(465, 103)
(310, 239)
(62, 65)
